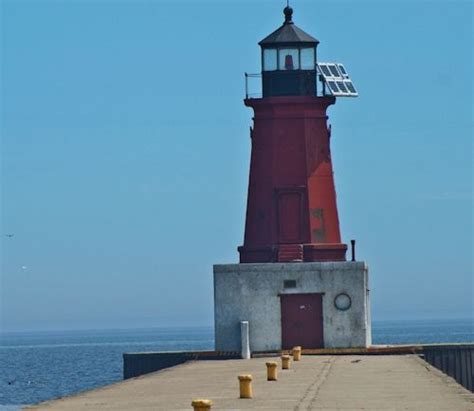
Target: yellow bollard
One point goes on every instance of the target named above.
(201, 405)
(272, 373)
(245, 383)
(297, 353)
(285, 362)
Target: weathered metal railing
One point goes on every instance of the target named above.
(249, 94)
(457, 361)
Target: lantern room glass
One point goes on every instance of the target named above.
(307, 58)
(270, 59)
(289, 59)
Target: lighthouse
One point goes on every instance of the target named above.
(293, 285)
(291, 209)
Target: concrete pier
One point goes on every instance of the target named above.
(316, 383)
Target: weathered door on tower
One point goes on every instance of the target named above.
(302, 320)
(290, 217)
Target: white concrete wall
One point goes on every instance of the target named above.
(250, 292)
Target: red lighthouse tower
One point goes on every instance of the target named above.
(291, 209)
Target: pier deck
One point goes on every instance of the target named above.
(315, 383)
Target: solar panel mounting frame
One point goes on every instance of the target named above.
(331, 80)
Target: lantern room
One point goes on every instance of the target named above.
(289, 61)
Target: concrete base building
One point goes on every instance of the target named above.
(314, 305)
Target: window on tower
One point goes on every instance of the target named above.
(270, 59)
(289, 59)
(307, 58)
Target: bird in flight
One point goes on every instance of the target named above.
(9, 235)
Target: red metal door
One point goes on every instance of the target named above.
(289, 217)
(302, 320)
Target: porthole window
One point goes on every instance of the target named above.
(342, 302)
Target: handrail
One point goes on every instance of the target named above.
(247, 76)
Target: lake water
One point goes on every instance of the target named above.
(40, 366)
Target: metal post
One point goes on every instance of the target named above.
(246, 86)
(324, 84)
(245, 340)
(353, 246)
(316, 69)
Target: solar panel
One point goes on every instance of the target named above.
(326, 71)
(333, 87)
(334, 70)
(337, 80)
(342, 87)
(342, 70)
(350, 86)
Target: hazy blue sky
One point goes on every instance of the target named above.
(125, 153)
